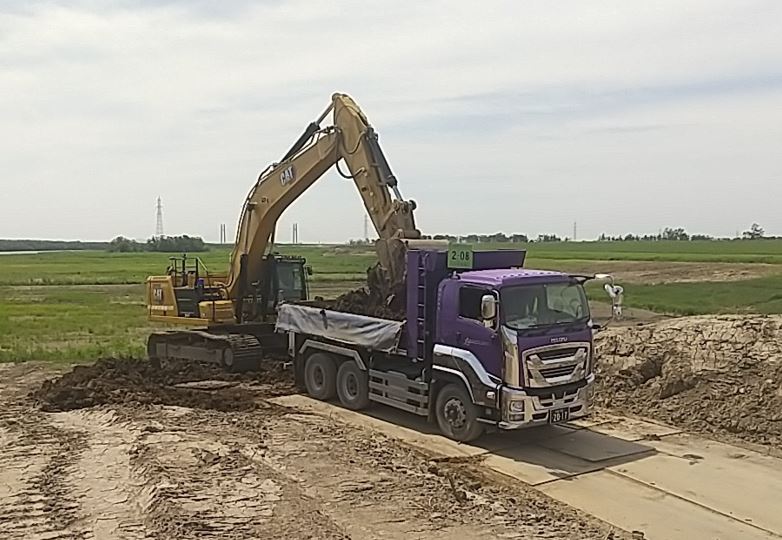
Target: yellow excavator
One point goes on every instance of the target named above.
(234, 312)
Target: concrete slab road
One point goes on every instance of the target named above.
(633, 474)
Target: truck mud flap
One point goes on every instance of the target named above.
(396, 390)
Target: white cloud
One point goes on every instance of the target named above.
(505, 115)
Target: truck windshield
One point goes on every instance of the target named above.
(544, 304)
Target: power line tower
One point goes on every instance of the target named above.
(295, 235)
(366, 228)
(159, 224)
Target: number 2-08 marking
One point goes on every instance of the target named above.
(460, 257)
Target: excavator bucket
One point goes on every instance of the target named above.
(386, 279)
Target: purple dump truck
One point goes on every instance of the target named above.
(485, 344)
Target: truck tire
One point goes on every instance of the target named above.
(456, 414)
(352, 386)
(320, 376)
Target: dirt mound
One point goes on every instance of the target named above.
(128, 380)
(718, 375)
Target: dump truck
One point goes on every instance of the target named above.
(484, 343)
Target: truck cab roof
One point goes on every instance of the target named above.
(503, 277)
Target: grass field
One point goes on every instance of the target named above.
(81, 305)
(91, 267)
(344, 262)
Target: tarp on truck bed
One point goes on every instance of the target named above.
(368, 332)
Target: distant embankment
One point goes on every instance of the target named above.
(49, 245)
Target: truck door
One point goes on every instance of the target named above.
(468, 332)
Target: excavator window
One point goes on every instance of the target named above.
(290, 281)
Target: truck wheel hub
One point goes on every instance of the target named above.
(317, 376)
(455, 412)
(351, 385)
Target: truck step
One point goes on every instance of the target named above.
(396, 390)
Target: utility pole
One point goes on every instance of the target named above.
(159, 224)
(575, 231)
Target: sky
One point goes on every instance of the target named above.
(495, 116)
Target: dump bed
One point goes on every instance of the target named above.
(348, 328)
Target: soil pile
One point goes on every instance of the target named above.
(128, 380)
(719, 375)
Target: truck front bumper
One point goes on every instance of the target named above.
(520, 410)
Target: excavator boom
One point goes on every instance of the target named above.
(352, 139)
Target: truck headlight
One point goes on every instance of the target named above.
(516, 406)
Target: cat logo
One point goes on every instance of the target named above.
(288, 175)
(157, 295)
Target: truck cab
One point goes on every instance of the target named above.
(521, 343)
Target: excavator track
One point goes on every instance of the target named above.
(235, 352)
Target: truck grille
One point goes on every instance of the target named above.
(554, 365)
(562, 371)
(556, 354)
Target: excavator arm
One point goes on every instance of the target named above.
(352, 139)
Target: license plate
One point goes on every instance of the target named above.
(559, 415)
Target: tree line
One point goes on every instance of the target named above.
(184, 244)
(755, 232)
(48, 245)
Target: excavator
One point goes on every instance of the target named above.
(234, 312)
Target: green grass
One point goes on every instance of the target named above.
(83, 305)
(67, 322)
(99, 267)
(82, 322)
(343, 262)
(744, 251)
(761, 295)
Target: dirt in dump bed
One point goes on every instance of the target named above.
(716, 375)
(361, 302)
(380, 298)
(130, 380)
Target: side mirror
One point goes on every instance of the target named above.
(308, 269)
(488, 307)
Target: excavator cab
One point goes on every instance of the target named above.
(189, 292)
(286, 281)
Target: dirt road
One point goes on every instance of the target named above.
(130, 470)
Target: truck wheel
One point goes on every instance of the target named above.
(352, 386)
(320, 374)
(456, 415)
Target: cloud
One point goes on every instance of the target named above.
(510, 112)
